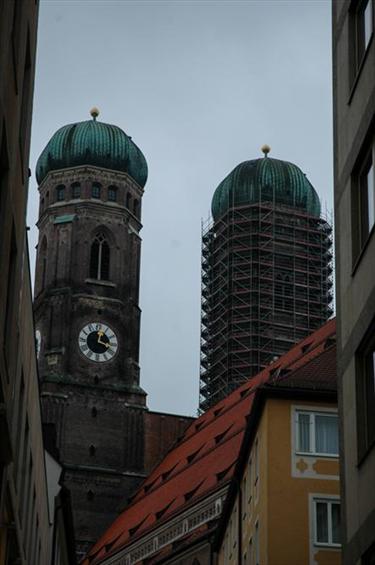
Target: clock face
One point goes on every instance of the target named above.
(98, 342)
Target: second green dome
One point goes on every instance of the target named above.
(265, 180)
(92, 143)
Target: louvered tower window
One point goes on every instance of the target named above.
(99, 259)
(96, 190)
(60, 193)
(112, 193)
(76, 190)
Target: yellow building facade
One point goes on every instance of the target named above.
(285, 507)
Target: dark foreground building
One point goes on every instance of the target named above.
(91, 178)
(24, 521)
(34, 511)
(266, 272)
(354, 158)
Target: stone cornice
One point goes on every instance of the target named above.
(89, 172)
(82, 208)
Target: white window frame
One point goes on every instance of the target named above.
(312, 427)
(329, 502)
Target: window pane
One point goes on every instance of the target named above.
(367, 22)
(76, 190)
(370, 198)
(95, 191)
(304, 432)
(326, 434)
(336, 537)
(112, 196)
(60, 193)
(321, 522)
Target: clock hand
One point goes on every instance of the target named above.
(100, 341)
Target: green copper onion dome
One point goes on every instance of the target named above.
(265, 180)
(92, 143)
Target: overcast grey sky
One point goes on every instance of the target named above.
(200, 86)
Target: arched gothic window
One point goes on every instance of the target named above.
(99, 258)
(128, 200)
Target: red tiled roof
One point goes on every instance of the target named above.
(204, 458)
(318, 373)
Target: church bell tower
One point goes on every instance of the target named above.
(91, 177)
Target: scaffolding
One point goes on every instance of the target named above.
(266, 284)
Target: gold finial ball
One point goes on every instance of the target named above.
(94, 112)
(266, 149)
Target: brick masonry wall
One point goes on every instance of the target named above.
(161, 433)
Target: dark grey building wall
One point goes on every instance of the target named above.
(354, 145)
(25, 534)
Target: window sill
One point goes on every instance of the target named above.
(359, 71)
(321, 455)
(327, 545)
(100, 283)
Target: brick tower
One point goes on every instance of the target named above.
(266, 272)
(91, 177)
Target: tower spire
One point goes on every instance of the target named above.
(94, 112)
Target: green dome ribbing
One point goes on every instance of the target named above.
(92, 143)
(265, 180)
